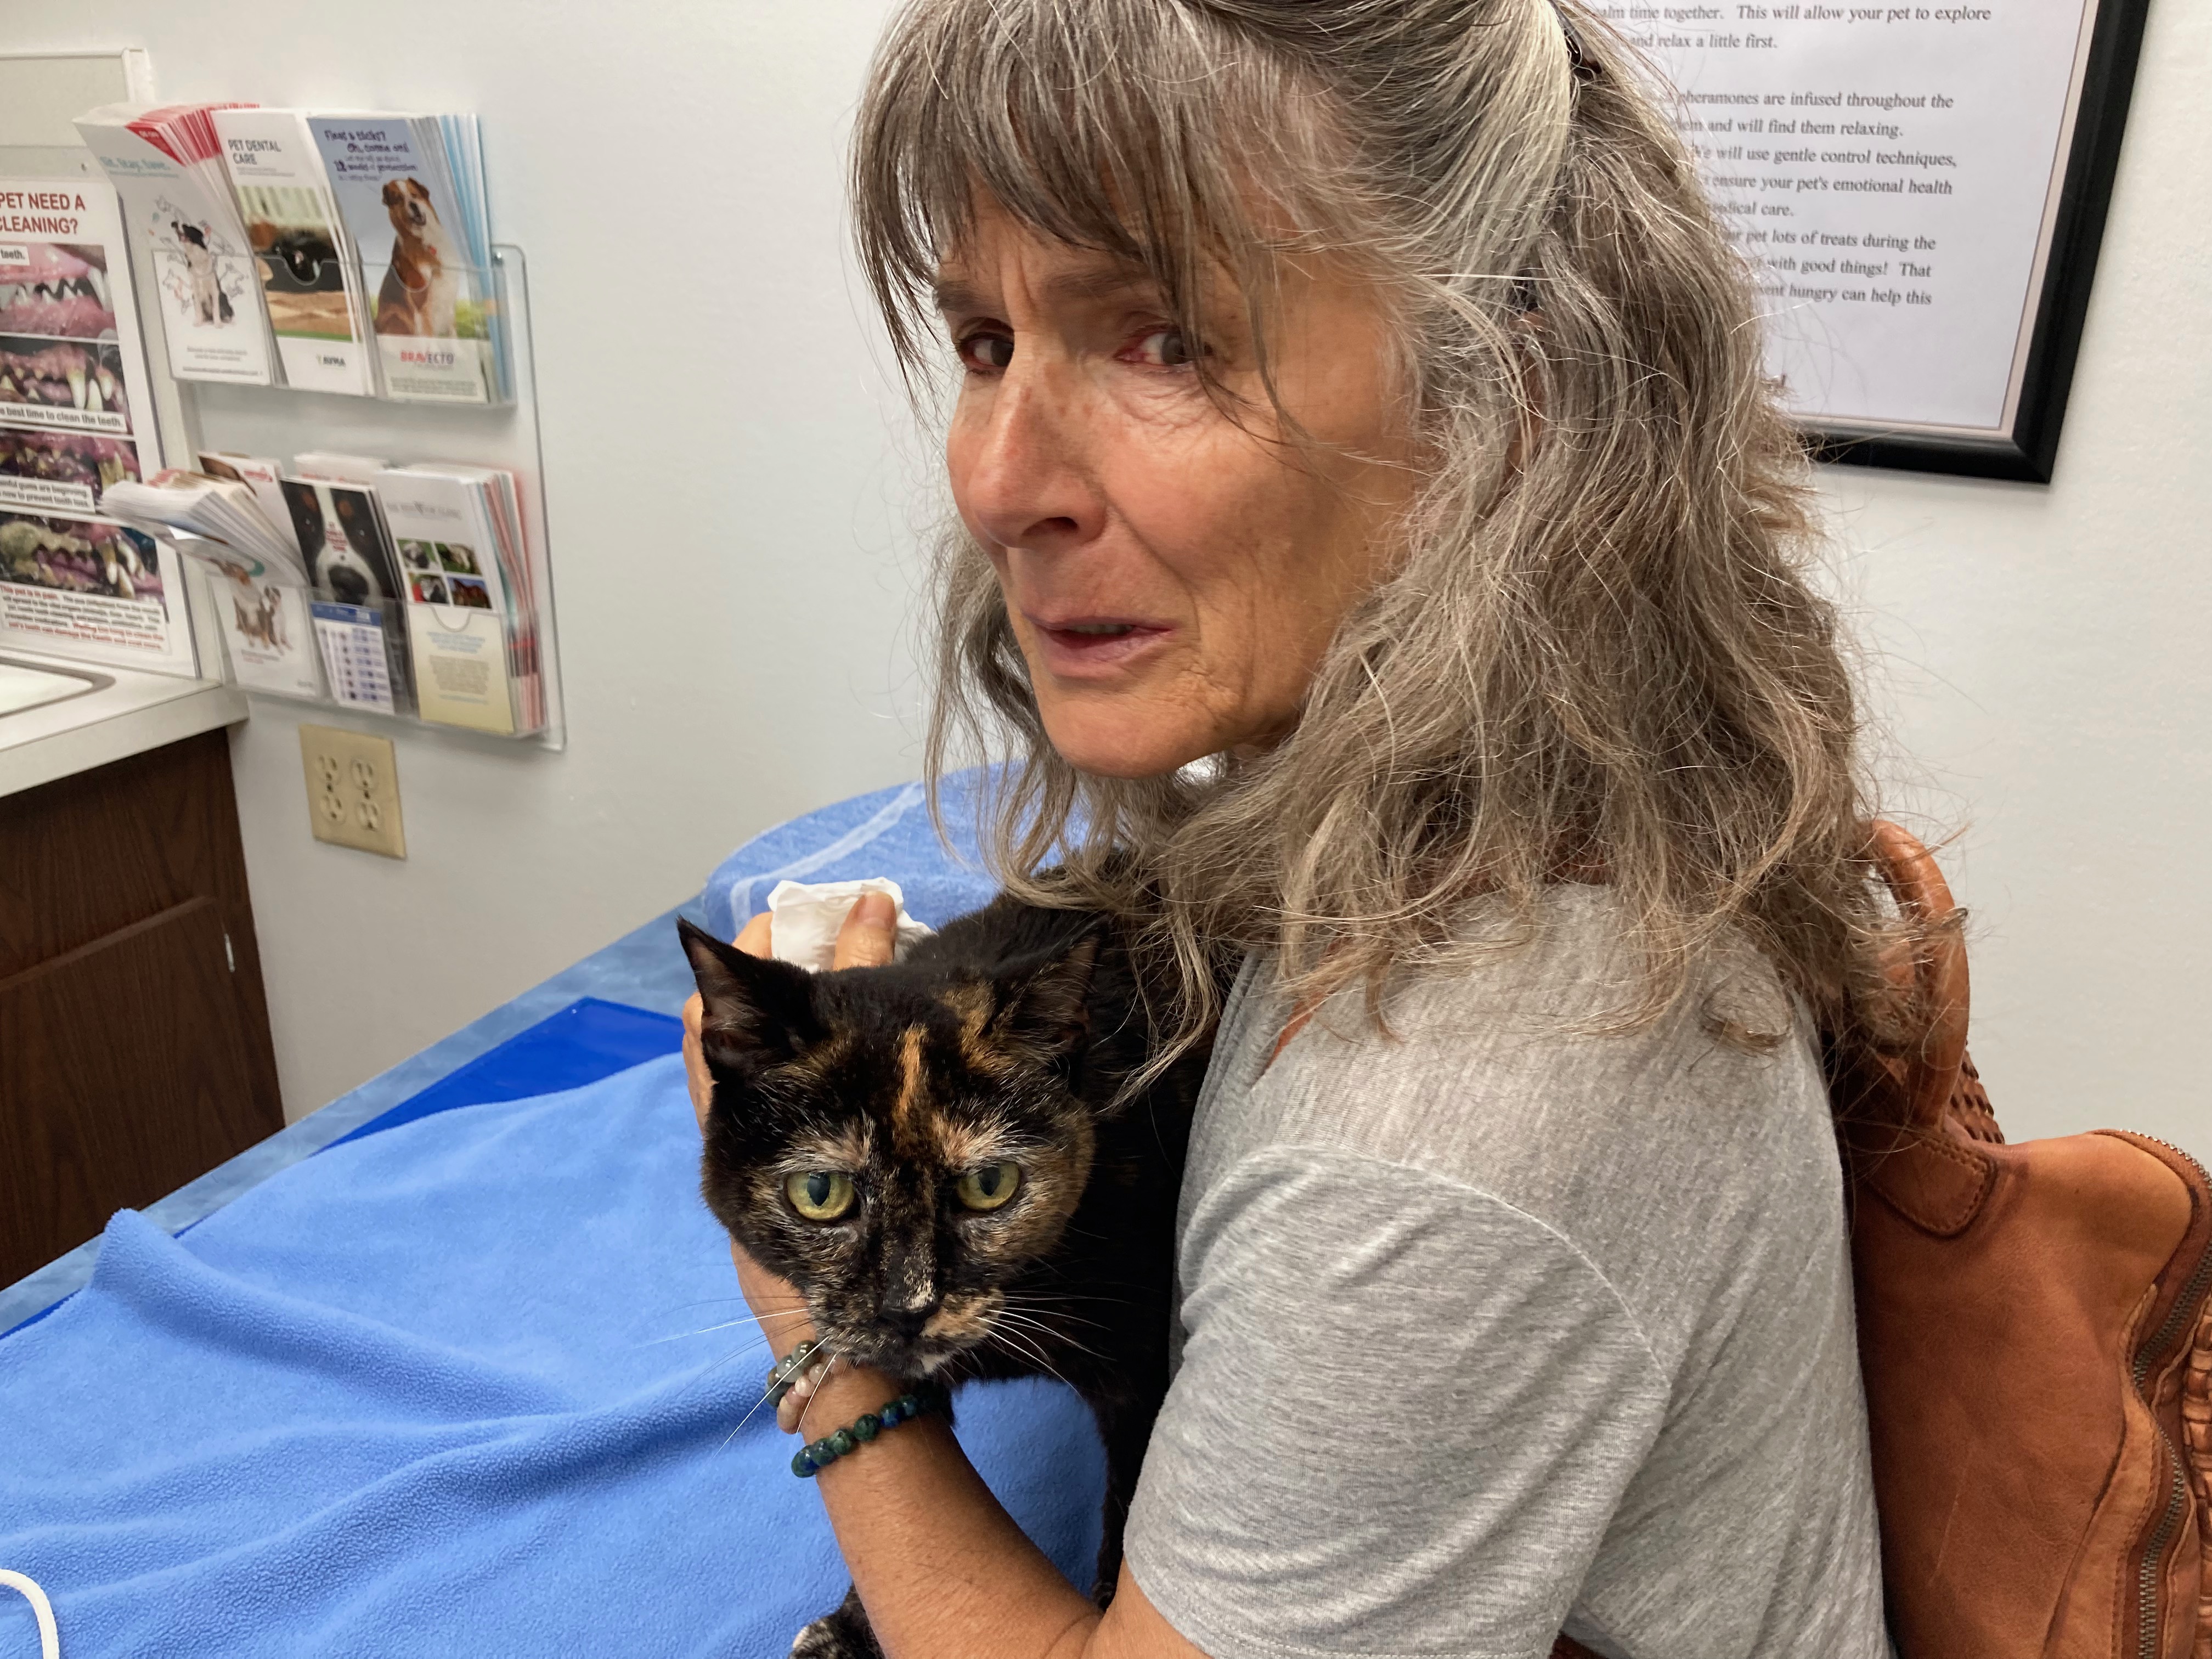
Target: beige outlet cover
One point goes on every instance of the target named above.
(353, 790)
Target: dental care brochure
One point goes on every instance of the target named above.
(314, 301)
(74, 419)
(167, 164)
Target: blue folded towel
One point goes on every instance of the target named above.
(413, 1395)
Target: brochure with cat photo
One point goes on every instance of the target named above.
(427, 296)
(283, 198)
(166, 166)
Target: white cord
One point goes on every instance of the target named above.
(49, 1639)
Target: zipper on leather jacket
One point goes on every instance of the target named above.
(2176, 1502)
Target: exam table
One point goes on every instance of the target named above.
(457, 1363)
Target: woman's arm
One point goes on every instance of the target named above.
(941, 1566)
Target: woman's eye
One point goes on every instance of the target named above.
(987, 351)
(820, 1195)
(1166, 348)
(990, 1186)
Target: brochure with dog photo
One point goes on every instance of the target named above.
(459, 605)
(166, 166)
(266, 631)
(341, 532)
(428, 299)
(450, 523)
(283, 200)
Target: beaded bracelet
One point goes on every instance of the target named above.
(786, 1371)
(810, 1459)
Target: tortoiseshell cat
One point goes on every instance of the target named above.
(933, 1153)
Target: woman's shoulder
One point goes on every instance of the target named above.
(1672, 1153)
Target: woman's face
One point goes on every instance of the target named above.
(1173, 576)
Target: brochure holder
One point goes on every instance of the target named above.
(502, 431)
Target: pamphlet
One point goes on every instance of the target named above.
(266, 630)
(354, 655)
(341, 532)
(263, 475)
(427, 297)
(283, 198)
(167, 164)
(460, 668)
(74, 419)
(461, 613)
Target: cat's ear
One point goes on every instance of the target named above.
(757, 1011)
(1047, 1010)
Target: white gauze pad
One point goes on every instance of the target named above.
(805, 919)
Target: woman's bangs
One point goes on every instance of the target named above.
(975, 99)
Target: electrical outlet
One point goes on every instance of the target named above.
(353, 790)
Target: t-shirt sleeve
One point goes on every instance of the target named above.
(1405, 1415)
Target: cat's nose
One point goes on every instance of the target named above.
(904, 1319)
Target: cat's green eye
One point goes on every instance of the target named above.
(820, 1195)
(990, 1186)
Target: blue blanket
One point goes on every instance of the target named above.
(451, 1389)
(457, 1387)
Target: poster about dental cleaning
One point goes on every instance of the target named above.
(75, 415)
(394, 193)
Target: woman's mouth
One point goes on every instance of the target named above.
(1074, 645)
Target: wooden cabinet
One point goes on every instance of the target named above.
(134, 1034)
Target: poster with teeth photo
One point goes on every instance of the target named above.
(76, 417)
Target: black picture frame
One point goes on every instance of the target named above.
(2029, 452)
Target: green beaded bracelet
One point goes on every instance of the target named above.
(809, 1461)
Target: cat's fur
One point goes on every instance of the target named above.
(1006, 1036)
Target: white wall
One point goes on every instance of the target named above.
(728, 486)
(2043, 656)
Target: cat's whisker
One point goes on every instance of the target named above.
(704, 1330)
(1029, 1322)
(1030, 1350)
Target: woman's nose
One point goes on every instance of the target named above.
(1025, 479)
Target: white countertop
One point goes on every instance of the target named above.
(136, 712)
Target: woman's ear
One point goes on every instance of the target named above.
(755, 1011)
(1046, 1011)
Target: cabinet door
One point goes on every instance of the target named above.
(125, 1070)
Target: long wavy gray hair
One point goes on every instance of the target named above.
(1595, 656)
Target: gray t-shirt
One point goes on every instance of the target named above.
(1493, 1326)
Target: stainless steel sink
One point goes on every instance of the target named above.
(33, 686)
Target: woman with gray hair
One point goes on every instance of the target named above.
(1379, 547)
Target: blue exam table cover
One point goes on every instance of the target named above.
(451, 1385)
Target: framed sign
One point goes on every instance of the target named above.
(1921, 190)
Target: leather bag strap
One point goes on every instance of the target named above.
(1929, 1076)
